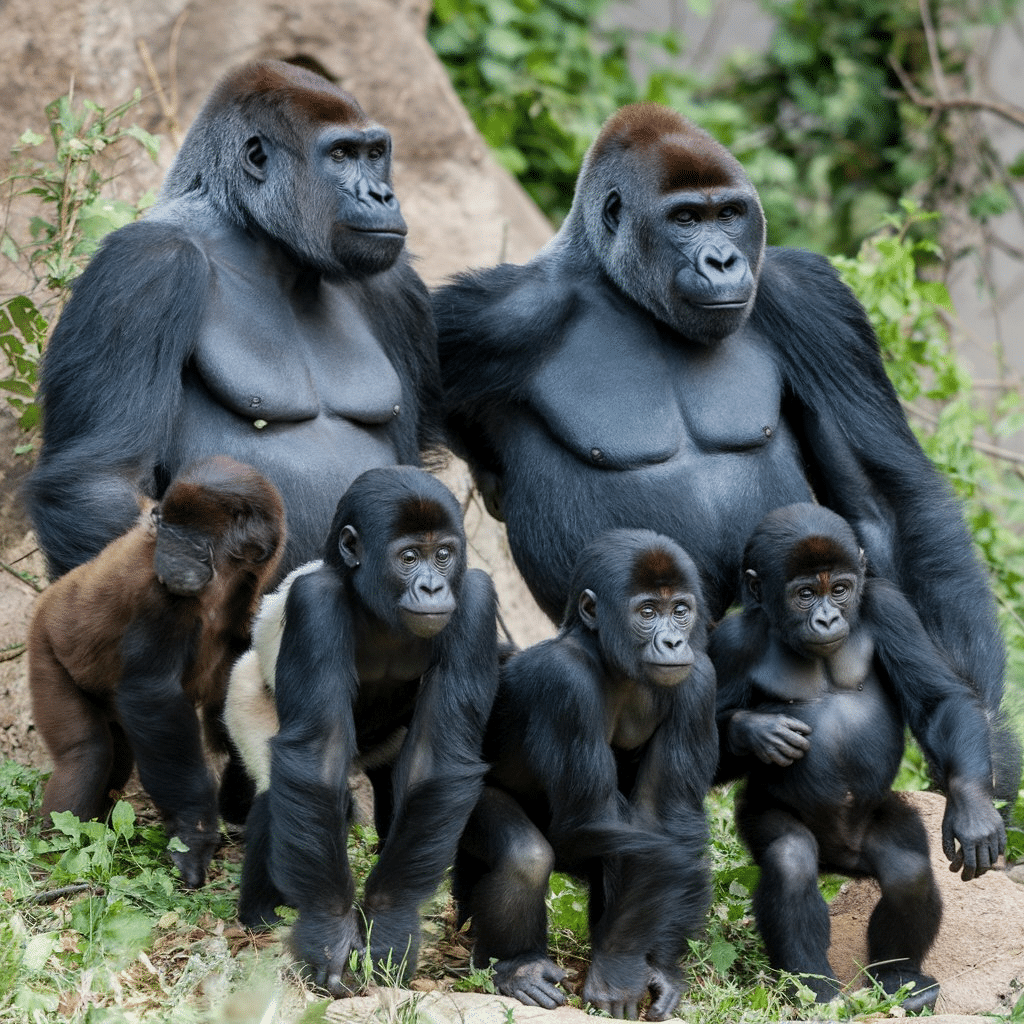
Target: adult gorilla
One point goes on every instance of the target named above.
(263, 309)
(655, 366)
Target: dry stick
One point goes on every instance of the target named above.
(1011, 113)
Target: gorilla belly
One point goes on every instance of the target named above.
(312, 461)
(554, 504)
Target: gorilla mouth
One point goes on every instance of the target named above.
(386, 232)
(734, 304)
(667, 673)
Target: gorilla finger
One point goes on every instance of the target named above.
(948, 843)
(545, 996)
(526, 998)
(797, 725)
(663, 1006)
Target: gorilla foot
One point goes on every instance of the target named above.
(892, 978)
(532, 979)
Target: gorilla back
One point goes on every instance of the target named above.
(263, 309)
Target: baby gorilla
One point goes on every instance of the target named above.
(818, 678)
(382, 656)
(124, 648)
(602, 746)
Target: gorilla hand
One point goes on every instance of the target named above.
(972, 820)
(773, 739)
(324, 943)
(532, 979)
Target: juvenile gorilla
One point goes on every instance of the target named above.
(383, 656)
(263, 309)
(602, 745)
(123, 649)
(818, 678)
(758, 374)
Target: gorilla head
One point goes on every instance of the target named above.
(280, 150)
(673, 220)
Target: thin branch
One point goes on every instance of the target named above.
(24, 577)
(1009, 112)
(933, 49)
(1003, 454)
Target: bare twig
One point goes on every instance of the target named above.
(23, 576)
(1009, 112)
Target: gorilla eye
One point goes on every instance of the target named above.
(409, 557)
(685, 217)
(681, 611)
(341, 153)
(443, 556)
(841, 590)
(376, 153)
(647, 612)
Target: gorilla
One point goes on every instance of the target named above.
(655, 365)
(264, 309)
(819, 678)
(381, 656)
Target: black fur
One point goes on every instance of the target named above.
(625, 814)
(590, 389)
(813, 716)
(241, 316)
(347, 677)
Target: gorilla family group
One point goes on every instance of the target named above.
(670, 417)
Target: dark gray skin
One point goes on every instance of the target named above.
(264, 308)
(656, 364)
(818, 679)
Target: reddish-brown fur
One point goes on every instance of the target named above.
(655, 570)
(74, 641)
(817, 554)
(690, 157)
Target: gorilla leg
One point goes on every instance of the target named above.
(258, 896)
(122, 759)
(77, 733)
(790, 912)
(906, 920)
(505, 893)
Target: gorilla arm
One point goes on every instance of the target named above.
(948, 722)
(112, 371)
(310, 758)
(866, 464)
(439, 773)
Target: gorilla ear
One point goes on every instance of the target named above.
(588, 609)
(350, 547)
(752, 586)
(611, 210)
(254, 158)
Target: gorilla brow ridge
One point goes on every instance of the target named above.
(654, 569)
(694, 164)
(419, 514)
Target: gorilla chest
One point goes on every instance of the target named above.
(625, 393)
(274, 355)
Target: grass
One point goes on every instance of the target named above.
(95, 928)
